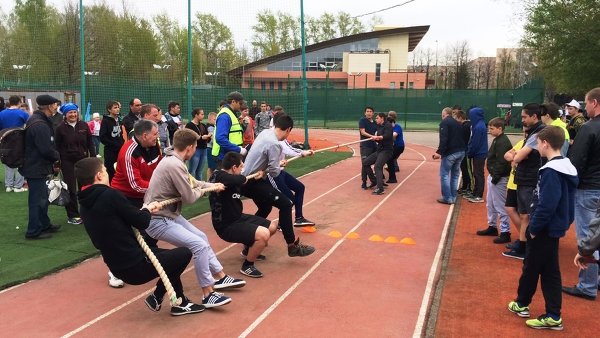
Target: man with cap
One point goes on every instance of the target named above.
(74, 142)
(576, 119)
(41, 159)
(228, 131)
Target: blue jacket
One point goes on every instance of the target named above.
(478, 146)
(554, 198)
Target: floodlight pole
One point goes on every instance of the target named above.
(304, 84)
(189, 55)
(82, 53)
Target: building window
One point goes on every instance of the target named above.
(263, 85)
(411, 85)
(401, 84)
(271, 85)
(378, 72)
(392, 85)
(279, 85)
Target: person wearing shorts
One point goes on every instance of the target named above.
(230, 223)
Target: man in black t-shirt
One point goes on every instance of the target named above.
(367, 128)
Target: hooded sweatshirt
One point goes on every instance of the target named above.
(554, 198)
(108, 217)
(478, 146)
(171, 179)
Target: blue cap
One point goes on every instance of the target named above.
(67, 107)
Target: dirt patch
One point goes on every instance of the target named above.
(316, 143)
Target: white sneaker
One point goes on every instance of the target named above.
(114, 281)
(19, 189)
(98, 155)
(9, 189)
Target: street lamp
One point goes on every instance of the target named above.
(91, 73)
(354, 75)
(327, 69)
(155, 66)
(214, 76)
(21, 67)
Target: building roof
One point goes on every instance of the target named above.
(415, 34)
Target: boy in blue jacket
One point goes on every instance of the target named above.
(553, 212)
(477, 153)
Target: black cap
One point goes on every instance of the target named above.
(237, 96)
(46, 100)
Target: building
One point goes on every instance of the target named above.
(377, 59)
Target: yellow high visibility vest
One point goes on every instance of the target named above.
(235, 132)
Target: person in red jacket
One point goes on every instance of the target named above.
(137, 160)
(73, 142)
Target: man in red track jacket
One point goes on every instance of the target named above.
(137, 160)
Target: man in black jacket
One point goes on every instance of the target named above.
(41, 157)
(111, 136)
(385, 146)
(451, 150)
(584, 156)
(135, 107)
(108, 218)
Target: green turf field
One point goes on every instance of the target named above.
(22, 260)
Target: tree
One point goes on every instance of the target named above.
(348, 25)
(564, 35)
(216, 43)
(459, 58)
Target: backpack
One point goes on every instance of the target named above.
(12, 146)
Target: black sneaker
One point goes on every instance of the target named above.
(251, 271)
(391, 181)
(52, 228)
(363, 186)
(503, 238)
(215, 299)
(490, 231)
(303, 222)
(518, 254)
(513, 245)
(385, 184)
(229, 282)
(378, 192)
(153, 303)
(244, 252)
(300, 250)
(188, 308)
(372, 185)
(43, 235)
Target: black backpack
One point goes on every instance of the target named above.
(12, 146)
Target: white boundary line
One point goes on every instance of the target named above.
(292, 288)
(432, 272)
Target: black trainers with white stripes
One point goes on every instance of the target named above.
(244, 253)
(251, 271)
(229, 282)
(186, 308)
(215, 299)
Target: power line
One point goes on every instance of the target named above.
(385, 9)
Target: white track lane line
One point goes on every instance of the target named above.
(273, 306)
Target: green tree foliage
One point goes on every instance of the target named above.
(565, 36)
(216, 43)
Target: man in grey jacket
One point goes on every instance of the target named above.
(171, 179)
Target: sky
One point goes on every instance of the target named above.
(484, 24)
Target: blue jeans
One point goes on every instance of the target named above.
(197, 163)
(38, 207)
(449, 175)
(586, 204)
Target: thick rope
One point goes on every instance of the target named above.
(329, 148)
(161, 272)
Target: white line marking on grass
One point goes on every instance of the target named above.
(292, 288)
(110, 312)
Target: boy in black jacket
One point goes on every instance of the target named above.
(499, 170)
(228, 220)
(552, 213)
(108, 217)
(111, 136)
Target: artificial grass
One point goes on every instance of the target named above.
(22, 260)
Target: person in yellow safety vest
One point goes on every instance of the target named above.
(228, 131)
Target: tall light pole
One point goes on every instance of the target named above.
(214, 76)
(354, 75)
(436, 63)
(327, 69)
(21, 67)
